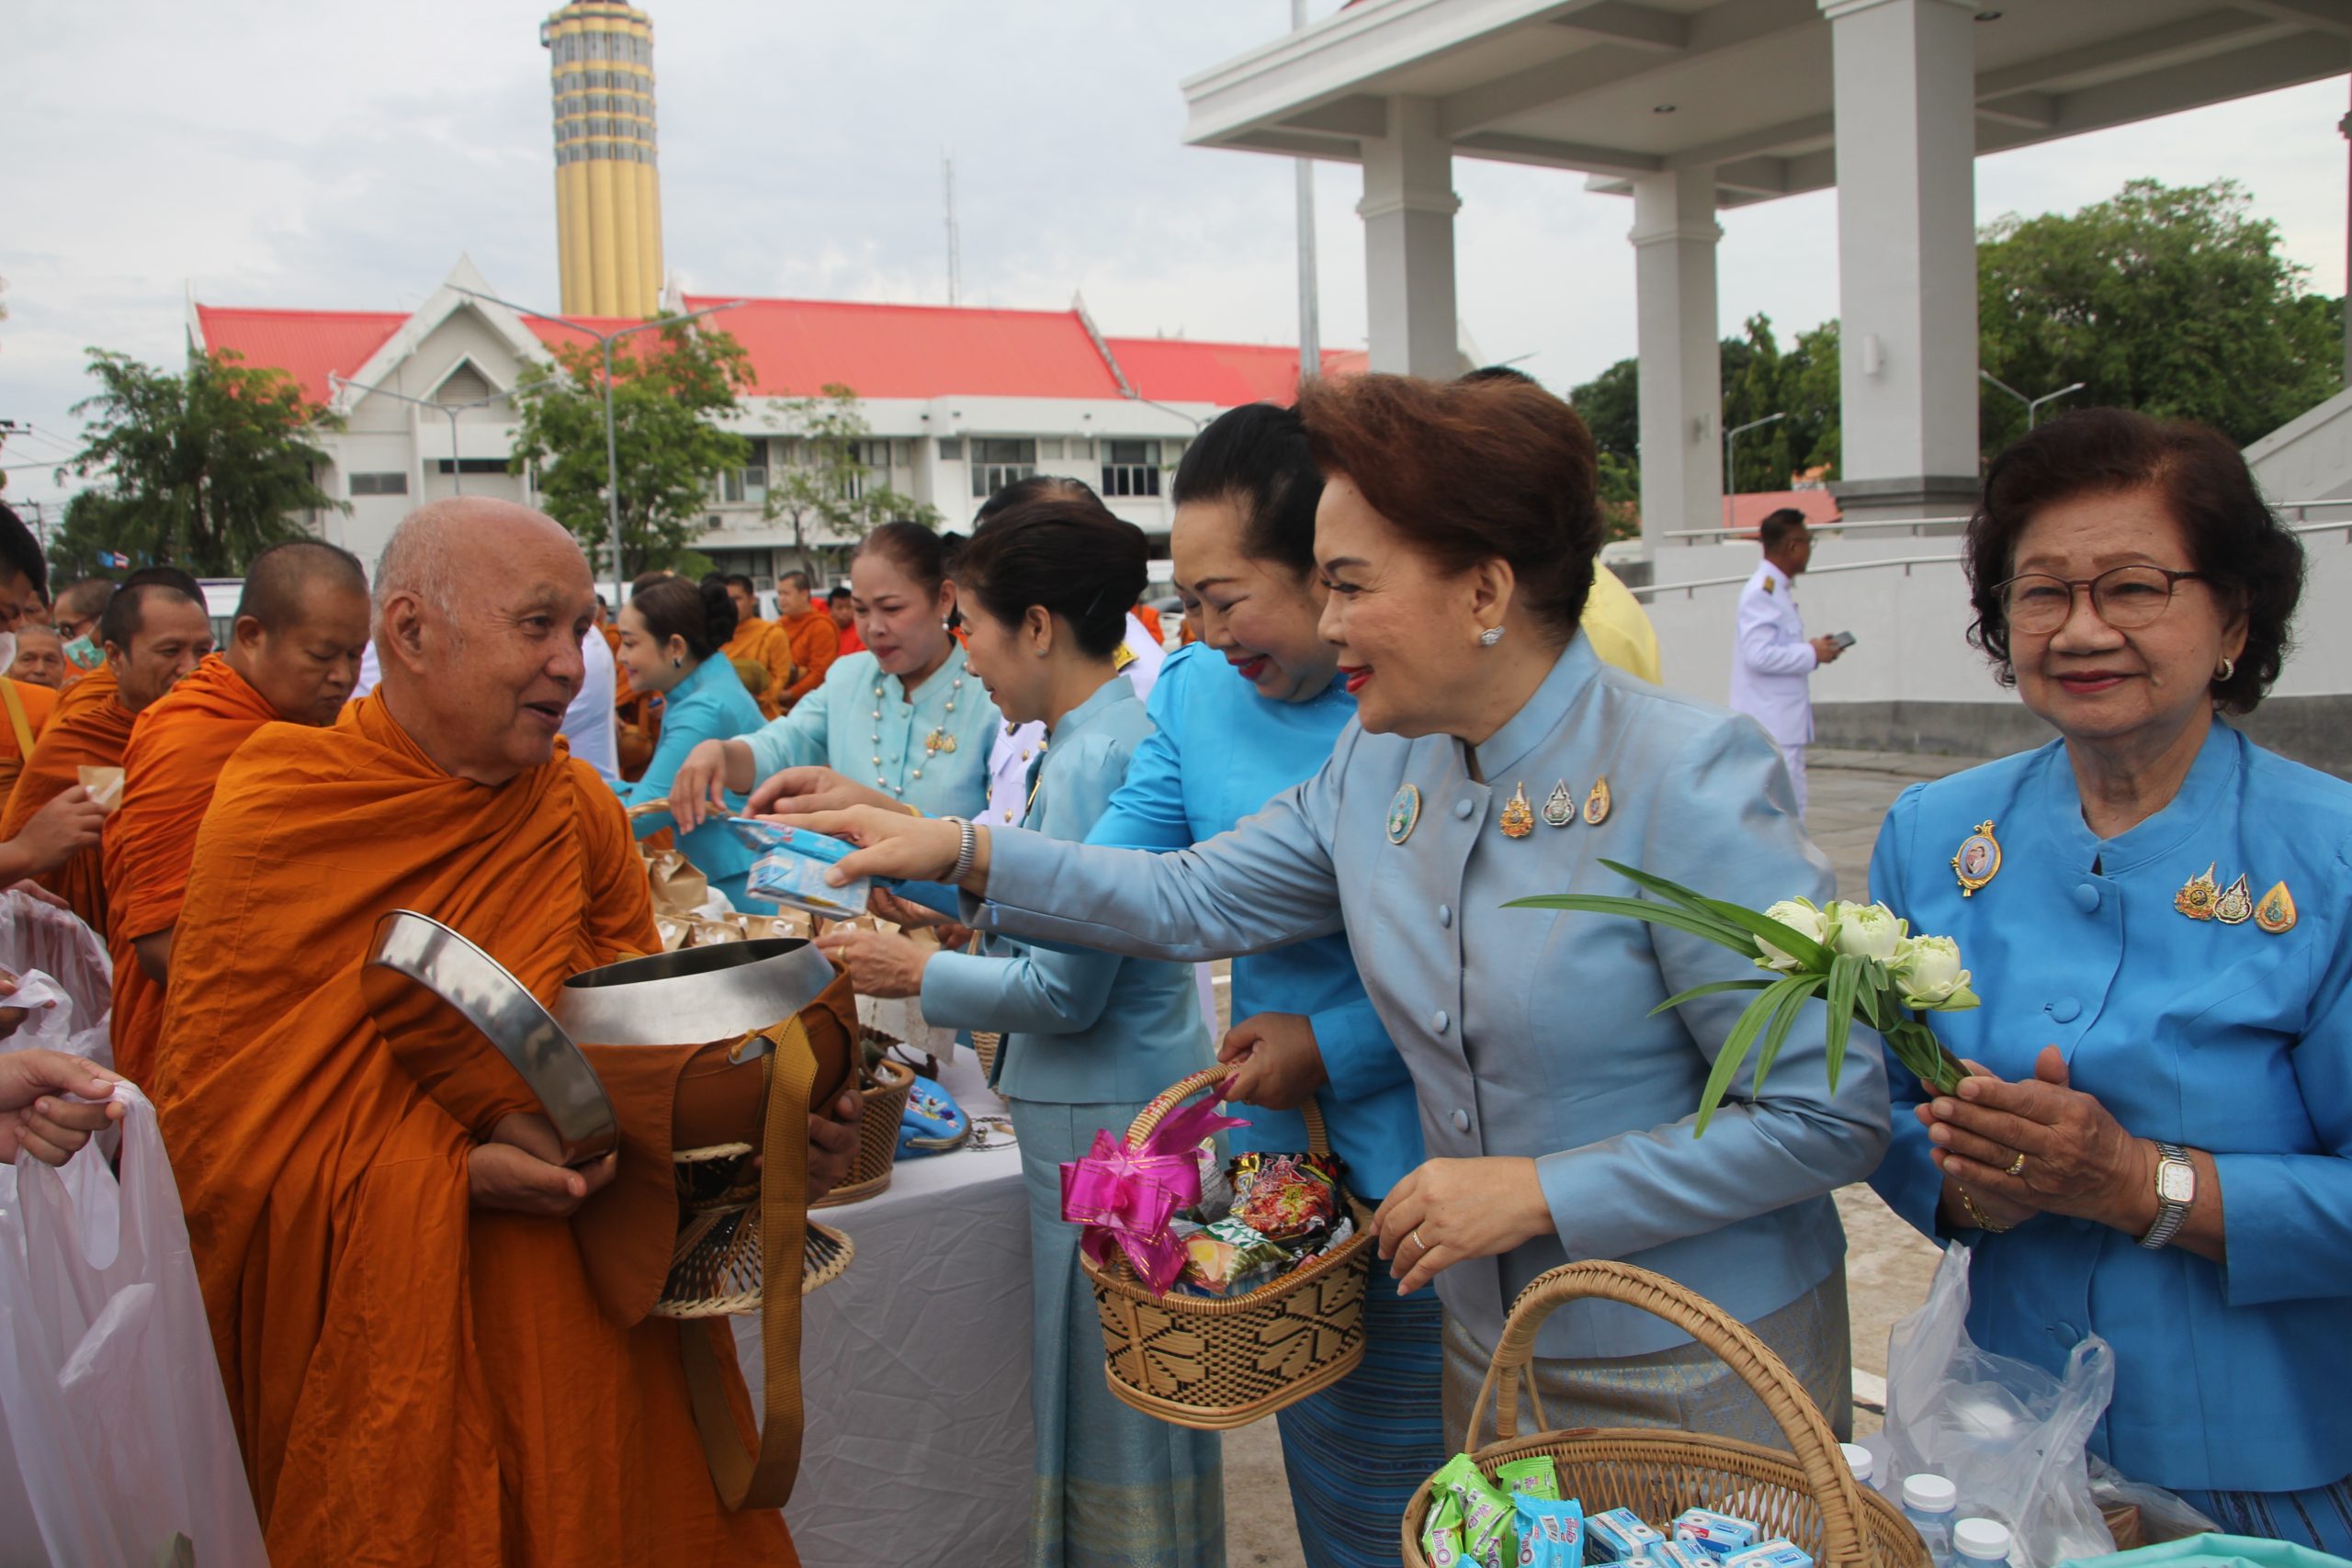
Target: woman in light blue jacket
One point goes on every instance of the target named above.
(671, 631)
(1455, 536)
(1089, 1037)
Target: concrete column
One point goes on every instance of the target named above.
(1907, 253)
(1674, 239)
(1407, 211)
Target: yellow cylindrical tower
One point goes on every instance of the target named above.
(608, 203)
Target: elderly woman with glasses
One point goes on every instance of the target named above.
(2157, 1148)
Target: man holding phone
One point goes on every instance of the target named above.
(1771, 659)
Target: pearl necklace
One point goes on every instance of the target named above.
(938, 741)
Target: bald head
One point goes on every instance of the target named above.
(301, 626)
(481, 607)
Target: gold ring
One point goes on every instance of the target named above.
(2016, 1167)
(1418, 1241)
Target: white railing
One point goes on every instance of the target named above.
(2299, 510)
(1688, 590)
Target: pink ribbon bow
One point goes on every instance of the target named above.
(1125, 1195)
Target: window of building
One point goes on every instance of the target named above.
(441, 466)
(951, 449)
(1081, 450)
(1049, 449)
(393, 484)
(1130, 468)
(997, 461)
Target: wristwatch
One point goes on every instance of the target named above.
(2175, 1191)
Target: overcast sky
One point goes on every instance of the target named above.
(325, 153)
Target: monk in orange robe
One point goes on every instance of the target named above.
(809, 629)
(1150, 619)
(420, 1370)
(25, 712)
(758, 645)
(842, 610)
(154, 631)
(44, 840)
(293, 654)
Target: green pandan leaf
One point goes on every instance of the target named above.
(1710, 989)
(1782, 1018)
(1640, 909)
(1735, 1048)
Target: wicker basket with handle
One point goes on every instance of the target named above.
(1805, 1495)
(883, 1104)
(1216, 1363)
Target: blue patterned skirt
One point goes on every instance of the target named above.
(1114, 1488)
(2319, 1519)
(1357, 1451)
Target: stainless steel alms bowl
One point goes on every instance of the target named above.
(424, 980)
(694, 994)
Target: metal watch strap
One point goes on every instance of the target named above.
(2171, 1214)
(967, 849)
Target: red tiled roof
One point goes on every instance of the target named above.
(798, 346)
(1174, 370)
(306, 345)
(1750, 510)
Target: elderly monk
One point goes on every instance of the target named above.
(293, 654)
(41, 656)
(419, 1368)
(815, 640)
(756, 643)
(154, 630)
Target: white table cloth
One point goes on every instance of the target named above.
(915, 1366)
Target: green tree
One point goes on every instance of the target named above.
(2171, 300)
(201, 470)
(828, 484)
(669, 391)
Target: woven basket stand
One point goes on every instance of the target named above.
(883, 1103)
(1805, 1495)
(1215, 1364)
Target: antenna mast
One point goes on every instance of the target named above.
(954, 240)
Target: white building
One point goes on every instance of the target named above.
(959, 400)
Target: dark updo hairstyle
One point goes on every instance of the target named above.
(1036, 487)
(1470, 471)
(912, 549)
(700, 614)
(1256, 460)
(1065, 552)
(2252, 564)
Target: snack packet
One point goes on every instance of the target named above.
(1486, 1510)
(1441, 1531)
(1227, 1258)
(1550, 1531)
(1286, 1197)
(1681, 1554)
(1778, 1553)
(1718, 1535)
(1534, 1476)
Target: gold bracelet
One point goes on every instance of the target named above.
(1983, 1222)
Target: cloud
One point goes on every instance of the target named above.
(344, 155)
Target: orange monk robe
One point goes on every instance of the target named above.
(757, 642)
(1150, 619)
(38, 702)
(89, 729)
(177, 749)
(852, 641)
(815, 643)
(414, 1380)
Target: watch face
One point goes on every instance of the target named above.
(2177, 1181)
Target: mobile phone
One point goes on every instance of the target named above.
(1843, 640)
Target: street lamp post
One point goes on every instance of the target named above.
(612, 444)
(1731, 453)
(2032, 405)
(457, 459)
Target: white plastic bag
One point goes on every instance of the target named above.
(41, 942)
(116, 1444)
(2007, 1434)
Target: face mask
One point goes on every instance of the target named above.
(84, 654)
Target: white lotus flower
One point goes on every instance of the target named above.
(1865, 931)
(1799, 916)
(1927, 972)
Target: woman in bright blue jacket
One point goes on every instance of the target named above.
(671, 631)
(2153, 908)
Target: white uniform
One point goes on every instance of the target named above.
(588, 722)
(1770, 664)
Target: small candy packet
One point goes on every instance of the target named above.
(1286, 1197)
(1679, 1554)
(792, 865)
(1486, 1510)
(1550, 1531)
(1441, 1531)
(1778, 1553)
(1718, 1535)
(1534, 1476)
(1619, 1535)
(1227, 1258)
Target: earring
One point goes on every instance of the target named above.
(2229, 668)
(677, 665)
(1490, 637)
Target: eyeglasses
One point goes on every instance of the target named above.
(2125, 597)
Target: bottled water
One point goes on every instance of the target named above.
(1981, 1543)
(1858, 1459)
(1930, 1503)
